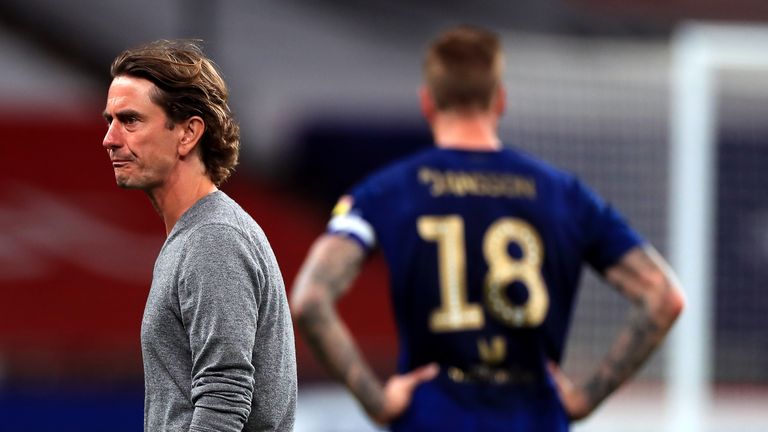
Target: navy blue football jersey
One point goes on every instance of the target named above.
(485, 252)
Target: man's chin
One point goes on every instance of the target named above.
(125, 184)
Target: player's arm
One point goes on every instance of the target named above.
(644, 278)
(327, 273)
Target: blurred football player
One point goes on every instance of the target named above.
(485, 246)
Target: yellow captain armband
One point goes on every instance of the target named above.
(343, 206)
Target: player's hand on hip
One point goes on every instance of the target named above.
(574, 398)
(398, 391)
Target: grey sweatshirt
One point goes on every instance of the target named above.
(216, 338)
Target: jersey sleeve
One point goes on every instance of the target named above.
(351, 218)
(607, 234)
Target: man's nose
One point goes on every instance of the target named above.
(111, 139)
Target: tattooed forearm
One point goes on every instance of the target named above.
(321, 331)
(644, 278)
(633, 346)
(328, 272)
(332, 344)
(366, 386)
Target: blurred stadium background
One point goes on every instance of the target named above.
(326, 92)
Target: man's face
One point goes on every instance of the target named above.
(142, 148)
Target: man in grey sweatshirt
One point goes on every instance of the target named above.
(216, 337)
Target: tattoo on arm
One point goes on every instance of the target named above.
(332, 344)
(326, 275)
(643, 277)
(635, 343)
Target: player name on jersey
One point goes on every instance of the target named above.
(462, 183)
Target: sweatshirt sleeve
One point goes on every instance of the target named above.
(218, 291)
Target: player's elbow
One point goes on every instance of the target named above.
(668, 301)
(305, 302)
(299, 302)
(675, 302)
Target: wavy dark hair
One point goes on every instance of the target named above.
(188, 84)
(463, 68)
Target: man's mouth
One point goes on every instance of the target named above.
(119, 163)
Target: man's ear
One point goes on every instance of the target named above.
(192, 130)
(500, 100)
(427, 104)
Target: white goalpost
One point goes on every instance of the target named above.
(699, 52)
